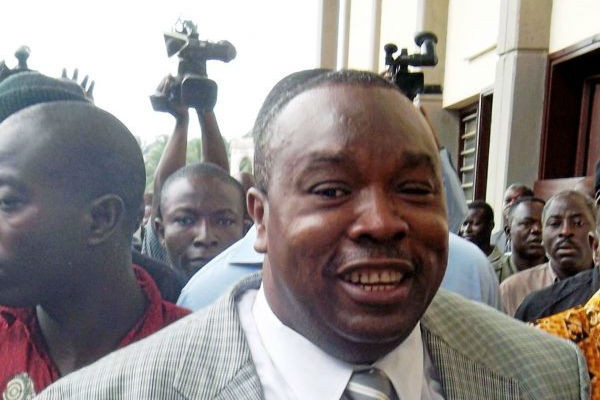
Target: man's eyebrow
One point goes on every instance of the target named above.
(412, 159)
(316, 161)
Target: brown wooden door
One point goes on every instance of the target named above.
(590, 124)
(570, 143)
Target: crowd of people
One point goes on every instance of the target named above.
(349, 266)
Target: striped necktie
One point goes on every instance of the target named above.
(369, 384)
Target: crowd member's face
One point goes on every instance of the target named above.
(201, 217)
(511, 195)
(526, 230)
(475, 228)
(354, 222)
(41, 232)
(567, 222)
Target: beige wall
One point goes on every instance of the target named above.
(572, 22)
(470, 49)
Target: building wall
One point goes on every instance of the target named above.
(470, 50)
(573, 21)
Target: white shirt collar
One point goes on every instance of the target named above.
(311, 373)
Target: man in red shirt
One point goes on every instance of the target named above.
(71, 185)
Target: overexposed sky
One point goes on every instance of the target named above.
(120, 45)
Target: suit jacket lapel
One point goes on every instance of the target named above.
(218, 363)
(462, 375)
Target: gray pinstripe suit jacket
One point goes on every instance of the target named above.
(479, 354)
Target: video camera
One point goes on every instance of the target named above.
(192, 88)
(411, 83)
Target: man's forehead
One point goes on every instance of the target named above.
(528, 209)
(350, 112)
(201, 191)
(567, 205)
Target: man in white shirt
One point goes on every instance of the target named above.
(349, 210)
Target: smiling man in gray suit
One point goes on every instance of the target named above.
(349, 210)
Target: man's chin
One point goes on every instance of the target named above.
(195, 266)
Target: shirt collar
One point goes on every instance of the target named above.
(295, 358)
(548, 267)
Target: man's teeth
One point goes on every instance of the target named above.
(387, 277)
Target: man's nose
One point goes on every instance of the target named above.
(566, 228)
(379, 217)
(536, 228)
(203, 234)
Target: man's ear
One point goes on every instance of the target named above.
(593, 240)
(106, 215)
(507, 229)
(258, 208)
(159, 228)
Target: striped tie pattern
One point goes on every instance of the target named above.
(369, 384)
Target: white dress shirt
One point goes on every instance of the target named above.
(290, 367)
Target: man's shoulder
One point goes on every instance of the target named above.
(197, 354)
(462, 330)
(516, 279)
(558, 297)
(465, 251)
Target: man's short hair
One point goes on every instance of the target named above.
(488, 213)
(527, 191)
(282, 93)
(525, 199)
(202, 169)
(589, 203)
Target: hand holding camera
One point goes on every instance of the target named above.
(191, 87)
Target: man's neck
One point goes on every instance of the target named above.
(90, 324)
(558, 271)
(524, 262)
(487, 248)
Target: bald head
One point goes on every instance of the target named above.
(79, 148)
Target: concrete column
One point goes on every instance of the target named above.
(328, 49)
(344, 36)
(523, 39)
(432, 15)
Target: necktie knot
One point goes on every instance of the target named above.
(369, 384)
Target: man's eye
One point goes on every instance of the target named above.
(225, 221)
(415, 190)
(332, 192)
(10, 204)
(184, 221)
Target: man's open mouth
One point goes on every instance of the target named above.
(374, 280)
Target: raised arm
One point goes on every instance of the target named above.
(174, 154)
(213, 145)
